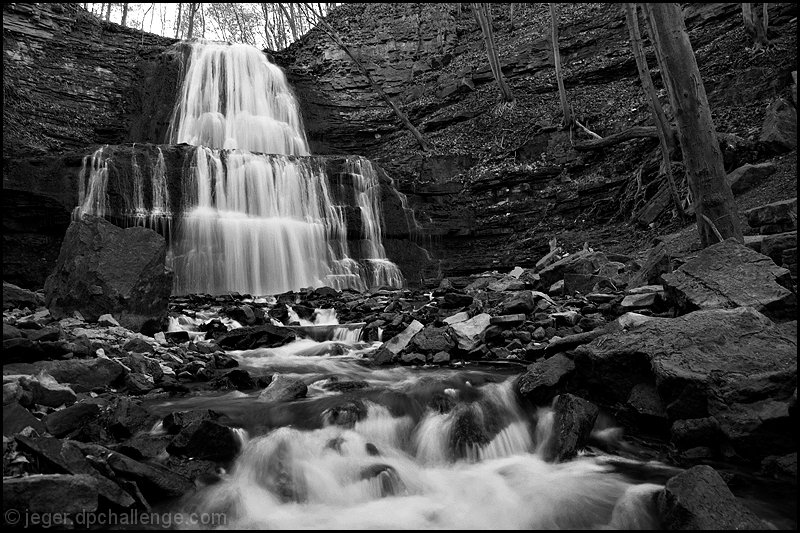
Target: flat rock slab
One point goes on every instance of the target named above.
(728, 275)
(52, 493)
(774, 213)
(699, 499)
(543, 378)
(469, 334)
(83, 375)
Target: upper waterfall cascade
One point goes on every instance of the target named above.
(255, 216)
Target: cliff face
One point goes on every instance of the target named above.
(501, 181)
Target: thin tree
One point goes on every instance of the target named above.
(178, 20)
(125, 13)
(290, 19)
(662, 125)
(326, 28)
(484, 18)
(108, 12)
(714, 204)
(562, 91)
(756, 26)
(192, 11)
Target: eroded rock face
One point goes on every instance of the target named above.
(106, 269)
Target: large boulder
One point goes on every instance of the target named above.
(50, 493)
(104, 269)
(699, 499)
(748, 176)
(729, 274)
(283, 389)
(781, 215)
(544, 378)
(735, 365)
(83, 375)
(266, 336)
(432, 340)
(392, 348)
(206, 439)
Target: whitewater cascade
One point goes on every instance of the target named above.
(255, 215)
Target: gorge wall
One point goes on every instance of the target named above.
(501, 181)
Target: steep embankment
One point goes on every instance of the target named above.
(503, 180)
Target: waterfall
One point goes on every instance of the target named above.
(255, 214)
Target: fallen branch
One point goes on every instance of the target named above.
(713, 228)
(636, 132)
(587, 130)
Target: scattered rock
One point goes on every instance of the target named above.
(432, 339)
(266, 336)
(175, 422)
(469, 334)
(16, 418)
(521, 302)
(206, 440)
(283, 389)
(748, 176)
(83, 375)
(397, 344)
(47, 391)
(237, 379)
(583, 262)
(70, 419)
(781, 212)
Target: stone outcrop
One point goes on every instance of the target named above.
(729, 274)
(103, 269)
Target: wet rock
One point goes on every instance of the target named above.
(138, 383)
(63, 457)
(334, 384)
(694, 432)
(176, 421)
(145, 445)
(440, 358)
(16, 418)
(71, 419)
(729, 274)
(106, 269)
(469, 334)
(237, 379)
(386, 476)
(573, 420)
(142, 364)
(51, 493)
(775, 213)
(699, 499)
(177, 337)
(544, 378)
(128, 417)
(433, 339)
(206, 440)
(779, 130)
(413, 358)
(346, 414)
(774, 247)
(647, 404)
(784, 466)
(156, 482)
(243, 314)
(283, 389)
(83, 375)
(748, 176)
(224, 361)
(266, 336)
(706, 363)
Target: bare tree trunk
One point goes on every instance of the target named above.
(754, 27)
(125, 13)
(202, 21)
(178, 22)
(483, 17)
(562, 91)
(765, 20)
(662, 126)
(290, 19)
(323, 25)
(714, 204)
(192, 11)
(511, 15)
(108, 12)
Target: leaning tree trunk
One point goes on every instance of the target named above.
(662, 125)
(562, 91)
(326, 28)
(714, 204)
(485, 21)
